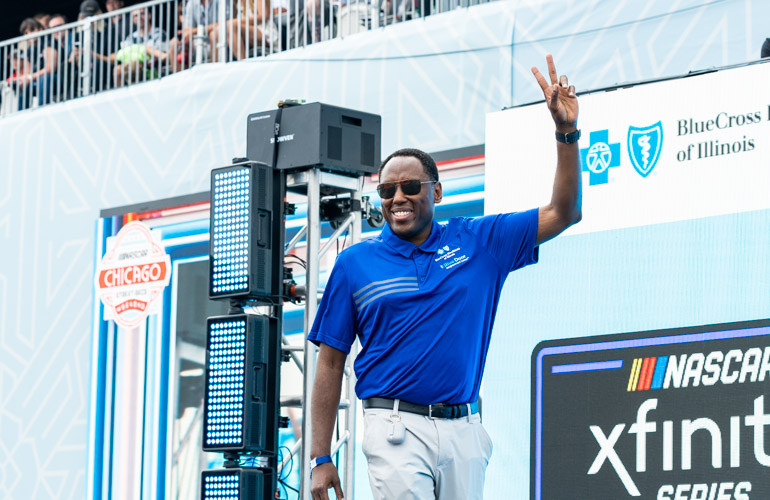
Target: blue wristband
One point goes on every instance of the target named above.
(318, 461)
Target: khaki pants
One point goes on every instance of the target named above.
(443, 459)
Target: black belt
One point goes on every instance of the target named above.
(440, 410)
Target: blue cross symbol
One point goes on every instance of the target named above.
(599, 157)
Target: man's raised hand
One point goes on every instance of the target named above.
(560, 97)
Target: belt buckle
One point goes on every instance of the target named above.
(441, 409)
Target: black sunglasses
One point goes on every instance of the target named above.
(409, 187)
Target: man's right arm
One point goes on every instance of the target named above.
(324, 405)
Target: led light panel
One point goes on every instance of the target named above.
(225, 385)
(230, 200)
(247, 231)
(241, 401)
(238, 484)
(221, 486)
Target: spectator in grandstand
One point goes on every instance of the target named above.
(318, 13)
(57, 20)
(100, 43)
(43, 18)
(17, 64)
(63, 37)
(17, 67)
(765, 48)
(135, 56)
(251, 30)
(37, 74)
(319, 16)
(197, 14)
(89, 8)
(141, 52)
(66, 70)
(113, 5)
(120, 24)
(283, 11)
(146, 33)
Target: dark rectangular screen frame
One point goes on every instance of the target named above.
(602, 339)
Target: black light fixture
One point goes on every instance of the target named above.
(247, 232)
(238, 484)
(241, 407)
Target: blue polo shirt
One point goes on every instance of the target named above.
(424, 314)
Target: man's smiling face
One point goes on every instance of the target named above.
(409, 217)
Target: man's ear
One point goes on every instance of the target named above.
(437, 192)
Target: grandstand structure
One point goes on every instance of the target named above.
(92, 410)
(158, 38)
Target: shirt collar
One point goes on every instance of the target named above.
(406, 248)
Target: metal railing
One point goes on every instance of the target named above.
(160, 37)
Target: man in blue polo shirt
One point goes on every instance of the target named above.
(421, 298)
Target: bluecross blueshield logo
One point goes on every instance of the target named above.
(599, 157)
(644, 146)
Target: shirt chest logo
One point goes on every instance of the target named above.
(449, 258)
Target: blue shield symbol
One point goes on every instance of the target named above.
(644, 146)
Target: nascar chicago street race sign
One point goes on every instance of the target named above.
(132, 274)
(670, 415)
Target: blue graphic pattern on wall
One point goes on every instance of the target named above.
(433, 81)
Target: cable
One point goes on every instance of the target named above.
(296, 257)
(299, 260)
(345, 238)
(265, 301)
(291, 463)
(244, 462)
(282, 480)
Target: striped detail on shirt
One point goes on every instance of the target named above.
(377, 289)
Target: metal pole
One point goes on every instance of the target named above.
(311, 305)
(199, 39)
(350, 388)
(221, 26)
(85, 51)
(293, 243)
(287, 347)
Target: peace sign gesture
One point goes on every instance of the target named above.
(560, 97)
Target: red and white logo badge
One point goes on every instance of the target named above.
(132, 274)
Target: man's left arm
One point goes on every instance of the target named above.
(564, 207)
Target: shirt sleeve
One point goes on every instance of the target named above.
(509, 238)
(335, 319)
(188, 20)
